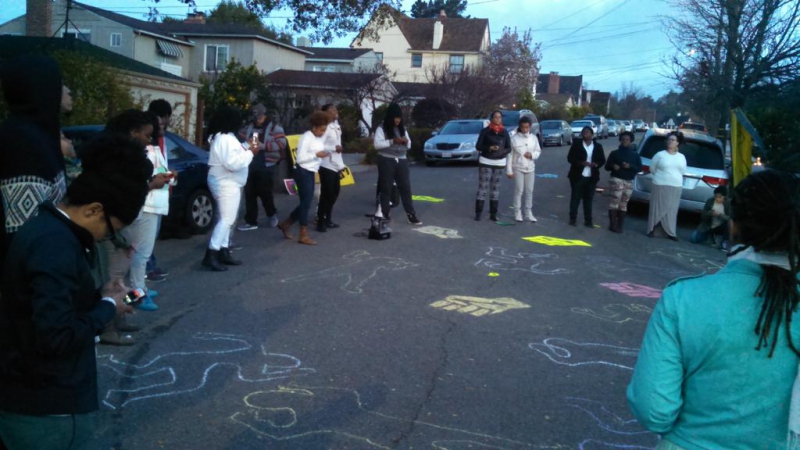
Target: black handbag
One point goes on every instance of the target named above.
(379, 230)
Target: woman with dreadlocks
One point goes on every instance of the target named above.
(720, 355)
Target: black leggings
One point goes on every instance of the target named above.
(259, 186)
(328, 193)
(582, 190)
(391, 171)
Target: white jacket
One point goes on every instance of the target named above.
(307, 150)
(228, 160)
(157, 201)
(332, 138)
(521, 144)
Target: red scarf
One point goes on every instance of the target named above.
(496, 128)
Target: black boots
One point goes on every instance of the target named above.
(226, 258)
(478, 209)
(493, 210)
(620, 220)
(613, 221)
(211, 260)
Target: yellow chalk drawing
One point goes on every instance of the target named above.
(425, 198)
(494, 274)
(557, 242)
(444, 233)
(295, 412)
(478, 306)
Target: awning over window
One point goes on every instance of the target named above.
(169, 49)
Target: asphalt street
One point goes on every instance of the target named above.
(454, 335)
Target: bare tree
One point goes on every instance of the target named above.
(473, 90)
(730, 49)
(513, 61)
(375, 90)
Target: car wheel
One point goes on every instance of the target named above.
(200, 211)
(561, 141)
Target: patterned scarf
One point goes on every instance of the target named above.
(496, 128)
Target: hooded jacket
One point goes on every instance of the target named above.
(32, 167)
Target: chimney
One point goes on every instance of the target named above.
(553, 83)
(39, 18)
(438, 30)
(303, 41)
(442, 15)
(196, 17)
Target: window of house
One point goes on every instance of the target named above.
(116, 39)
(216, 58)
(82, 35)
(416, 60)
(324, 69)
(456, 63)
(379, 55)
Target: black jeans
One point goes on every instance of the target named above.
(582, 189)
(392, 171)
(328, 193)
(259, 186)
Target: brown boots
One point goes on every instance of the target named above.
(616, 220)
(286, 225)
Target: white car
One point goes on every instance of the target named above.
(577, 126)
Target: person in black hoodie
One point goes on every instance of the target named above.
(32, 168)
(494, 144)
(585, 158)
(623, 163)
(51, 310)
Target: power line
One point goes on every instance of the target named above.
(629, 52)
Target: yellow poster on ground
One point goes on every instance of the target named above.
(345, 176)
(741, 146)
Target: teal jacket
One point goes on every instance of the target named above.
(699, 382)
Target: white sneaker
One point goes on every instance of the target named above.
(530, 217)
(518, 216)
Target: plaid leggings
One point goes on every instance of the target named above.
(489, 181)
(620, 191)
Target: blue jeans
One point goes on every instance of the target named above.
(304, 179)
(700, 237)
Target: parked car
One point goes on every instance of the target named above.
(614, 128)
(577, 126)
(190, 201)
(454, 142)
(556, 132)
(639, 125)
(511, 120)
(627, 125)
(693, 126)
(602, 125)
(705, 159)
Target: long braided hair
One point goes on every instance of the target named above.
(765, 208)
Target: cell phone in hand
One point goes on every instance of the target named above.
(133, 296)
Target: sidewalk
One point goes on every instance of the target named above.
(353, 161)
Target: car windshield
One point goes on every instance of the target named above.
(596, 120)
(551, 125)
(611, 122)
(462, 128)
(510, 119)
(699, 155)
(582, 123)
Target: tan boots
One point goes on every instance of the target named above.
(286, 225)
(304, 239)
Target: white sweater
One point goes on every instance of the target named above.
(157, 201)
(332, 138)
(668, 170)
(307, 150)
(521, 144)
(228, 160)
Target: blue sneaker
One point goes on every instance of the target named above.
(147, 304)
(152, 293)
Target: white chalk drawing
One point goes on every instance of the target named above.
(576, 354)
(613, 267)
(295, 412)
(633, 289)
(605, 418)
(618, 312)
(359, 268)
(498, 258)
(697, 260)
(478, 306)
(593, 444)
(444, 233)
(167, 375)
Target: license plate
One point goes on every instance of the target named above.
(447, 154)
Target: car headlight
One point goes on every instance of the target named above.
(428, 146)
(468, 145)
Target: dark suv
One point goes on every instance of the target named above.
(511, 120)
(190, 201)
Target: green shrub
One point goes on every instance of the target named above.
(418, 138)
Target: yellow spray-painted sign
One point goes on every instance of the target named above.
(345, 176)
(557, 242)
(425, 198)
(478, 306)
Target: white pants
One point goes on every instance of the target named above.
(141, 234)
(228, 196)
(523, 183)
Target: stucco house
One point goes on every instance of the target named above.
(411, 48)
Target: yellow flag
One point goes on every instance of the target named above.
(345, 176)
(741, 146)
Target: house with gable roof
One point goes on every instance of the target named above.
(553, 87)
(410, 48)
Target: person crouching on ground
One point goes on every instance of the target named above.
(51, 310)
(494, 144)
(227, 174)
(310, 152)
(521, 167)
(623, 163)
(716, 214)
(585, 158)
